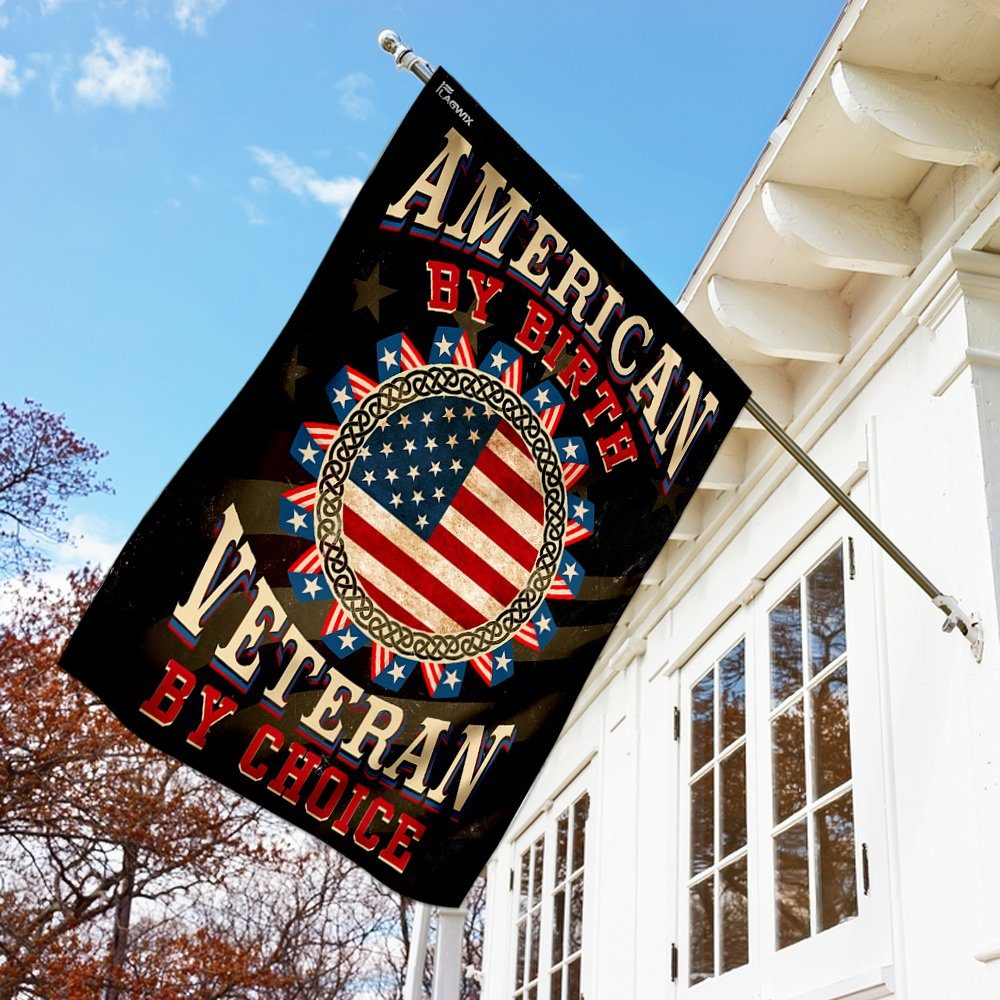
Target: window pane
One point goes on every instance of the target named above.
(733, 695)
(558, 921)
(702, 722)
(733, 911)
(534, 920)
(788, 755)
(703, 823)
(581, 809)
(555, 993)
(702, 951)
(573, 984)
(786, 647)
(562, 833)
(825, 590)
(536, 874)
(522, 902)
(576, 915)
(838, 898)
(791, 872)
(520, 952)
(831, 733)
(733, 807)
(533, 993)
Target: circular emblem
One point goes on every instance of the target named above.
(441, 513)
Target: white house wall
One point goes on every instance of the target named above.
(909, 422)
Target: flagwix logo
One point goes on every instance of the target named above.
(444, 91)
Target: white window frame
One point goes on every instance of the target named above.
(858, 945)
(737, 982)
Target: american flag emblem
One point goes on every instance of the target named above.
(440, 513)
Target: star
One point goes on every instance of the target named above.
(422, 521)
(386, 449)
(473, 436)
(451, 679)
(431, 444)
(418, 497)
(456, 466)
(439, 494)
(382, 424)
(570, 449)
(497, 361)
(435, 467)
(308, 453)
(502, 663)
(297, 520)
(580, 511)
(341, 396)
(397, 672)
(414, 472)
(292, 373)
(452, 440)
(369, 292)
(404, 420)
(570, 571)
(543, 623)
(389, 359)
(391, 476)
(369, 477)
(443, 345)
(410, 447)
(449, 414)
(471, 326)
(364, 452)
(311, 587)
(426, 419)
(396, 500)
(348, 639)
(542, 396)
(469, 413)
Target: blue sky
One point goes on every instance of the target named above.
(172, 171)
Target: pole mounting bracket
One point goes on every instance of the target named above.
(969, 624)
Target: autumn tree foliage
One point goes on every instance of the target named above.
(124, 874)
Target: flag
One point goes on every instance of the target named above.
(370, 597)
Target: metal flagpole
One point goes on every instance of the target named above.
(968, 624)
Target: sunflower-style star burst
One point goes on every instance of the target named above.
(438, 516)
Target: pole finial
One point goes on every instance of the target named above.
(404, 56)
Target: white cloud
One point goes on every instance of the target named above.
(116, 74)
(259, 184)
(254, 215)
(353, 91)
(10, 83)
(336, 191)
(194, 15)
(50, 6)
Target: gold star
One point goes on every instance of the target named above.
(472, 327)
(370, 291)
(292, 373)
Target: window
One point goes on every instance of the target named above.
(567, 901)
(717, 890)
(775, 828)
(550, 902)
(813, 815)
(529, 920)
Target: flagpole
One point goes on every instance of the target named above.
(968, 624)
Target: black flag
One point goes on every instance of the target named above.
(370, 597)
